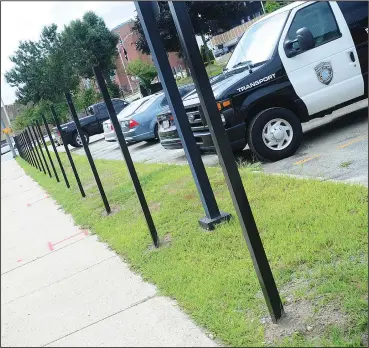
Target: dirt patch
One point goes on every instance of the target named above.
(364, 340)
(114, 209)
(301, 318)
(154, 206)
(189, 196)
(164, 242)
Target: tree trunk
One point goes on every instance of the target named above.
(206, 49)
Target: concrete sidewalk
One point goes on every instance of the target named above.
(61, 287)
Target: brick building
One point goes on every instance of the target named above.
(128, 38)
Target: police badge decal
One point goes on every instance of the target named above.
(324, 72)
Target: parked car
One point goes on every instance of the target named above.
(220, 51)
(308, 59)
(109, 131)
(5, 148)
(142, 123)
(91, 124)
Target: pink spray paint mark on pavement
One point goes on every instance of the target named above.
(20, 260)
(51, 245)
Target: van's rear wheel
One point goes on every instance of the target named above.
(274, 134)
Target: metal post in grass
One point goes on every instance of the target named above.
(24, 142)
(34, 145)
(35, 150)
(55, 151)
(41, 151)
(18, 146)
(25, 150)
(87, 151)
(32, 149)
(29, 157)
(191, 149)
(47, 151)
(226, 157)
(55, 116)
(30, 154)
(124, 148)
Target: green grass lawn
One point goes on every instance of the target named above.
(314, 233)
(212, 70)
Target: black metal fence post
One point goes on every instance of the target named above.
(30, 145)
(159, 55)
(226, 158)
(87, 150)
(47, 151)
(25, 148)
(36, 150)
(18, 146)
(55, 151)
(29, 158)
(40, 147)
(123, 146)
(67, 152)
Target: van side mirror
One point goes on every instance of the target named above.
(305, 41)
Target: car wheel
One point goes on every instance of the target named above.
(156, 135)
(274, 134)
(77, 141)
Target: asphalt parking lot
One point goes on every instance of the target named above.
(334, 148)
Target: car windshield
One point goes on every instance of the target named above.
(258, 42)
(132, 107)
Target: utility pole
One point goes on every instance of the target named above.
(121, 58)
(6, 112)
(8, 139)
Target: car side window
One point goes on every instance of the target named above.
(164, 102)
(319, 19)
(118, 105)
(102, 110)
(184, 91)
(355, 12)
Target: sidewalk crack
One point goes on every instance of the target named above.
(59, 280)
(102, 319)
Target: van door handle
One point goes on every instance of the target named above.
(352, 56)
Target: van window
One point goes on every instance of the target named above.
(259, 41)
(319, 19)
(355, 12)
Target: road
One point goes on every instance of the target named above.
(334, 148)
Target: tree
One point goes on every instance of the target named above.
(42, 70)
(207, 17)
(86, 97)
(146, 72)
(32, 112)
(271, 6)
(89, 42)
(206, 56)
(46, 69)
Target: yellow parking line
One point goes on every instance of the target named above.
(352, 142)
(307, 159)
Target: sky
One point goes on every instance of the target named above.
(24, 20)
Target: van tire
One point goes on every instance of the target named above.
(285, 131)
